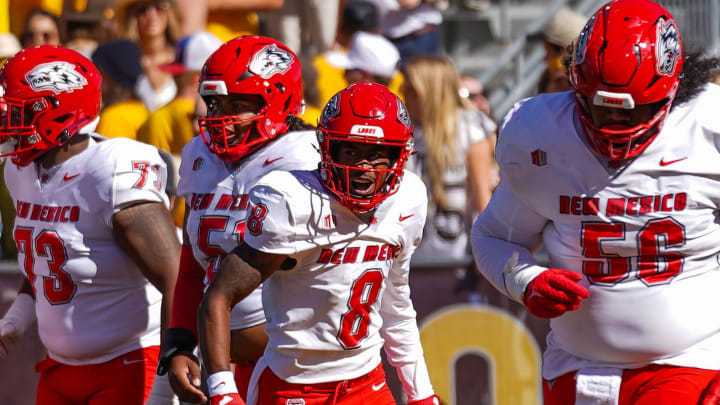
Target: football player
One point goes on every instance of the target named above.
(617, 178)
(94, 235)
(333, 248)
(252, 87)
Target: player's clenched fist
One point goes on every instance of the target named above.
(222, 389)
(554, 292)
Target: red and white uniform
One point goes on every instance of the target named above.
(93, 303)
(218, 206)
(348, 294)
(645, 235)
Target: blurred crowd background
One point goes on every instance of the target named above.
(459, 65)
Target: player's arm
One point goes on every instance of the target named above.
(240, 272)
(145, 231)
(176, 356)
(502, 239)
(400, 331)
(17, 319)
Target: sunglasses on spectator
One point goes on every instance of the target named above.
(465, 93)
(39, 36)
(142, 8)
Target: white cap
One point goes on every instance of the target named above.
(9, 45)
(192, 51)
(564, 27)
(372, 53)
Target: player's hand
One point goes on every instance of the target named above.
(554, 292)
(10, 336)
(227, 399)
(431, 400)
(184, 377)
(711, 395)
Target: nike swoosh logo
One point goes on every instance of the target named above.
(126, 361)
(402, 218)
(66, 177)
(377, 387)
(225, 400)
(669, 162)
(271, 161)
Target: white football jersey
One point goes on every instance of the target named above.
(93, 303)
(218, 206)
(646, 236)
(329, 316)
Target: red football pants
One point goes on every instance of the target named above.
(125, 380)
(242, 374)
(370, 388)
(650, 385)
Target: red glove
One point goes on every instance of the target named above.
(711, 395)
(431, 400)
(554, 292)
(226, 399)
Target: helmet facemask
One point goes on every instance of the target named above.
(621, 142)
(231, 137)
(361, 188)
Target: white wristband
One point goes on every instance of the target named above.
(221, 383)
(517, 277)
(21, 313)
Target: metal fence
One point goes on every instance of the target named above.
(520, 66)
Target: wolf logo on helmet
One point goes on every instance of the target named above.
(56, 76)
(667, 47)
(270, 60)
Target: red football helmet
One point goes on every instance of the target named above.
(257, 66)
(367, 113)
(47, 95)
(628, 54)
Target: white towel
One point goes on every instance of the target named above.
(597, 386)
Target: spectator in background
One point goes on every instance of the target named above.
(20, 9)
(9, 46)
(227, 19)
(411, 25)
(473, 91)
(123, 113)
(455, 157)
(153, 24)
(311, 96)
(562, 29)
(372, 58)
(88, 24)
(41, 28)
(170, 127)
(359, 15)
(308, 27)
